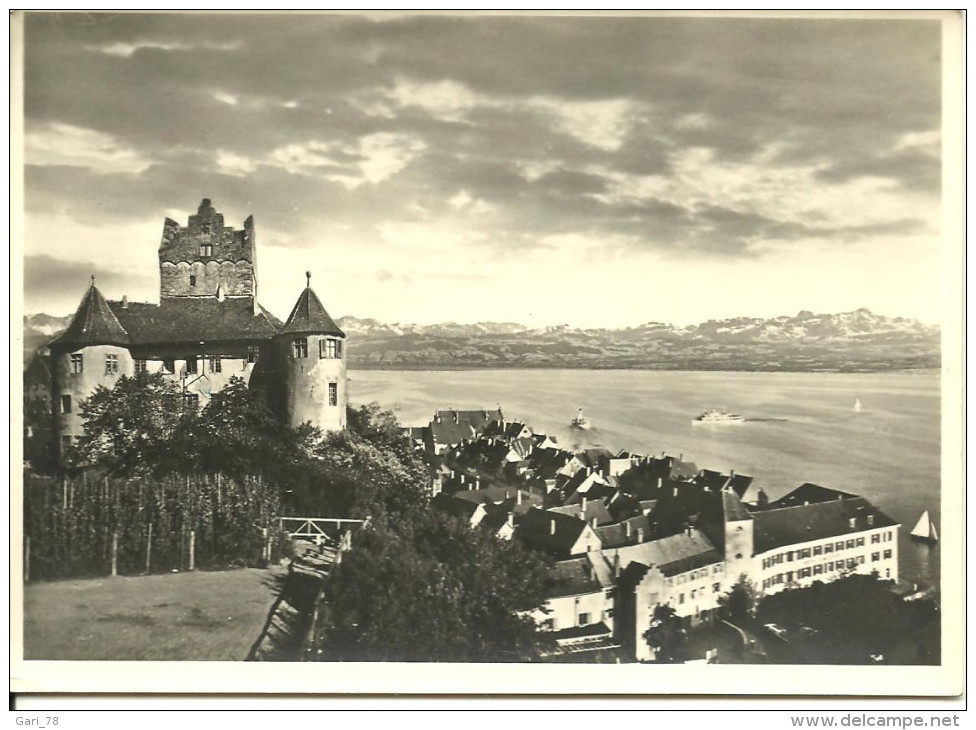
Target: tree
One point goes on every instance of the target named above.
(742, 599)
(236, 433)
(433, 590)
(666, 636)
(128, 427)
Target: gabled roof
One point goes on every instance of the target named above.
(594, 509)
(615, 535)
(308, 317)
(671, 555)
(779, 527)
(550, 530)
(500, 495)
(454, 507)
(93, 324)
(200, 319)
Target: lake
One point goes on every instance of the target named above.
(800, 427)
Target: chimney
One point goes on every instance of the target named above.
(125, 301)
(593, 523)
(508, 494)
(477, 482)
(584, 503)
(681, 457)
(452, 473)
(640, 534)
(462, 479)
(616, 564)
(457, 418)
(731, 474)
(674, 492)
(518, 496)
(552, 525)
(627, 529)
(511, 519)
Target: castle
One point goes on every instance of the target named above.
(206, 328)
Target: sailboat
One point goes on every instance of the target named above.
(857, 405)
(925, 529)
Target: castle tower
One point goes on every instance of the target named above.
(204, 256)
(310, 350)
(93, 351)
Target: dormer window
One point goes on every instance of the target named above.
(206, 249)
(193, 280)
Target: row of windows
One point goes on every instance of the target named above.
(716, 587)
(169, 365)
(827, 549)
(829, 567)
(328, 349)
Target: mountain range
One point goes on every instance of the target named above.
(846, 342)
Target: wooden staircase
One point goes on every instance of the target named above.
(293, 615)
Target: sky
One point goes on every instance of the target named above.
(592, 171)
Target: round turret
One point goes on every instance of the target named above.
(311, 354)
(92, 351)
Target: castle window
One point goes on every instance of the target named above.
(584, 619)
(66, 404)
(875, 557)
(206, 249)
(77, 363)
(299, 348)
(140, 366)
(333, 394)
(191, 366)
(817, 549)
(215, 364)
(193, 280)
(887, 554)
(111, 364)
(859, 542)
(330, 349)
(875, 538)
(169, 366)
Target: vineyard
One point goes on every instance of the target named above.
(90, 525)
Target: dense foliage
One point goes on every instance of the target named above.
(666, 636)
(741, 601)
(854, 617)
(433, 589)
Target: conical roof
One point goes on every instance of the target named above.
(93, 324)
(309, 317)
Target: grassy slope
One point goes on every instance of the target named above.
(181, 616)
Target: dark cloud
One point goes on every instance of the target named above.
(50, 281)
(838, 95)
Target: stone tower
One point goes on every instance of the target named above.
(93, 351)
(312, 358)
(206, 258)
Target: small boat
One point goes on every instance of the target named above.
(580, 421)
(716, 417)
(925, 529)
(857, 405)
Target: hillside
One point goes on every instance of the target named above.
(847, 342)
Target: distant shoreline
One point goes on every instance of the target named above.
(461, 367)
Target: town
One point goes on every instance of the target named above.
(630, 541)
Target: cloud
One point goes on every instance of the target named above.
(127, 49)
(604, 124)
(230, 163)
(224, 98)
(54, 143)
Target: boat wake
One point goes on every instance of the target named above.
(767, 420)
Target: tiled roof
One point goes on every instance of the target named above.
(594, 509)
(612, 536)
(453, 506)
(203, 319)
(495, 495)
(309, 317)
(536, 529)
(775, 528)
(93, 324)
(809, 493)
(577, 576)
(671, 555)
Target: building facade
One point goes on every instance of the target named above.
(206, 328)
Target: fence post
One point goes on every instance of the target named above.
(193, 536)
(115, 554)
(149, 549)
(27, 559)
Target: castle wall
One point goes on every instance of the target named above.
(306, 380)
(201, 279)
(79, 386)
